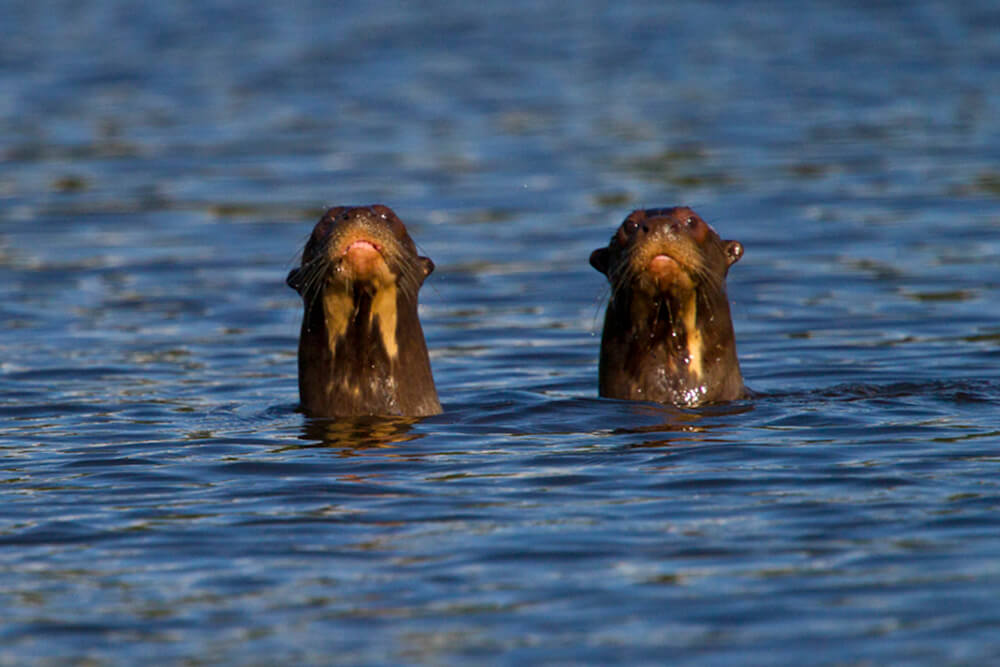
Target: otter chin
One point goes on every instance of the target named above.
(668, 334)
(361, 347)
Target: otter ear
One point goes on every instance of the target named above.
(599, 260)
(294, 280)
(428, 267)
(734, 250)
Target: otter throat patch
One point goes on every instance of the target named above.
(339, 308)
(695, 345)
(384, 308)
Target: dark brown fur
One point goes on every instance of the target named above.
(668, 335)
(361, 349)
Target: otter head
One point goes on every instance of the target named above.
(668, 335)
(364, 246)
(362, 349)
(666, 250)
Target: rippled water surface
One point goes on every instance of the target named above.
(161, 165)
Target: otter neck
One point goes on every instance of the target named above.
(360, 312)
(676, 348)
(669, 325)
(362, 351)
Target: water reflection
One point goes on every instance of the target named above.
(358, 433)
(683, 426)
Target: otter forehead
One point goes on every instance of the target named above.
(644, 224)
(377, 223)
(374, 214)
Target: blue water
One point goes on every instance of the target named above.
(161, 165)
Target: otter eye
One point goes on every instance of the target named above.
(692, 222)
(631, 226)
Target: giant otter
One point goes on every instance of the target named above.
(361, 348)
(668, 336)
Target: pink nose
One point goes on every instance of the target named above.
(361, 246)
(662, 264)
(363, 257)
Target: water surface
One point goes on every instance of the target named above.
(161, 166)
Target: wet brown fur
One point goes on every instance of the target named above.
(361, 347)
(668, 334)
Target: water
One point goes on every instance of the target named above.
(161, 165)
